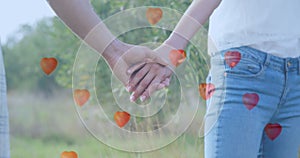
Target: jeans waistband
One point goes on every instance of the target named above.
(281, 64)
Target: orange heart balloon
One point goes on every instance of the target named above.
(81, 96)
(121, 118)
(177, 57)
(48, 65)
(154, 15)
(206, 90)
(69, 154)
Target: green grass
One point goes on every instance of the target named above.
(37, 148)
(88, 148)
(45, 127)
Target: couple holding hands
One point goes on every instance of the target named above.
(254, 111)
(255, 67)
(140, 69)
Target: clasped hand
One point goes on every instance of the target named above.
(139, 68)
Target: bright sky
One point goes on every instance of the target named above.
(14, 13)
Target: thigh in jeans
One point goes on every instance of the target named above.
(239, 108)
(282, 136)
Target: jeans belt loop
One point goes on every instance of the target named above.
(267, 59)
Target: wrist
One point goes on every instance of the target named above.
(114, 51)
(172, 56)
(176, 41)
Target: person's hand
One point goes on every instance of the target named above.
(121, 56)
(151, 77)
(147, 80)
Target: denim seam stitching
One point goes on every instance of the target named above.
(222, 101)
(262, 69)
(263, 142)
(283, 96)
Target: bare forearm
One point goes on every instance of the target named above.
(192, 20)
(77, 14)
(80, 17)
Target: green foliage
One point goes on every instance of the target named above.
(49, 37)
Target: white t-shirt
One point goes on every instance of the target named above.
(272, 26)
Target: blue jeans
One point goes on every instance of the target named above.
(4, 134)
(254, 108)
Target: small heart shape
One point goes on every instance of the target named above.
(48, 65)
(273, 130)
(69, 154)
(250, 100)
(232, 58)
(177, 57)
(81, 96)
(121, 118)
(206, 90)
(154, 15)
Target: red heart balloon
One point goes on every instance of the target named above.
(121, 118)
(206, 90)
(69, 154)
(177, 57)
(273, 130)
(154, 15)
(81, 96)
(48, 65)
(232, 58)
(250, 100)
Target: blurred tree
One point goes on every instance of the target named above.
(51, 38)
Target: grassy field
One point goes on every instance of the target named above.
(45, 126)
(89, 148)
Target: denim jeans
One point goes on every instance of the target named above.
(4, 134)
(254, 108)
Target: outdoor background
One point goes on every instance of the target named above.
(43, 118)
